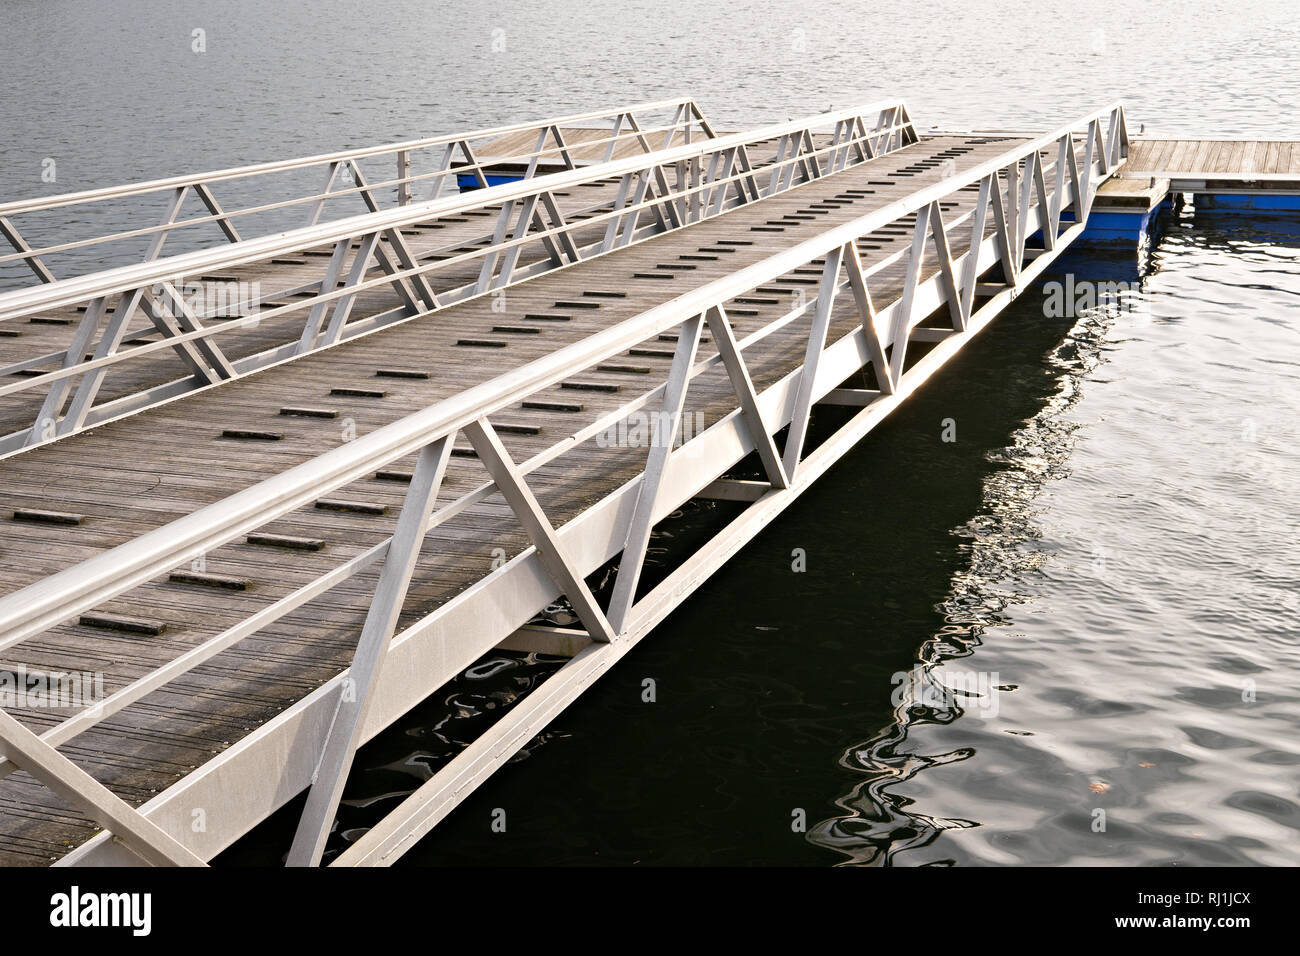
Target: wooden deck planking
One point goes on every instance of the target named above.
(173, 447)
(280, 282)
(1261, 159)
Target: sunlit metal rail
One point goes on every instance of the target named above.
(425, 168)
(138, 316)
(958, 272)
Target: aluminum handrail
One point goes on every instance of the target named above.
(70, 291)
(64, 594)
(437, 157)
(704, 189)
(15, 207)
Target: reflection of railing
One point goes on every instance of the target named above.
(1032, 190)
(662, 190)
(444, 159)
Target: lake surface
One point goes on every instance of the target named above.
(1102, 567)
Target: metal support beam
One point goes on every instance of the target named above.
(947, 274)
(356, 274)
(724, 340)
(328, 282)
(406, 259)
(109, 342)
(563, 238)
(34, 262)
(867, 316)
(903, 313)
(1003, 232)
(821, 323)
(970, 270)
(83, 791)
(173, 210)
(663, 437)
(318, 206)
(45, 426)
(372, 648)
(505, 474)
(223, 220)
(187, 321)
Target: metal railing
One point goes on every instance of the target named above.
(658, 191)
(433, 165)
(1032, 201)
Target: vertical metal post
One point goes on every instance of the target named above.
(403, 177)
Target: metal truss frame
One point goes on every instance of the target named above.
(442, 158)
(660, 190)
(1028, 210)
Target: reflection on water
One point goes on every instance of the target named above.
(1138, 620)
(879, 822)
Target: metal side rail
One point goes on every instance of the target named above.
(141, 314)
(424, 168)
(1033, 201)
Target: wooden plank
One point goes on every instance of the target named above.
(170, 460)
(1200, 158)
(1251, 158)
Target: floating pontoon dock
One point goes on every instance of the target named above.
(282, 483)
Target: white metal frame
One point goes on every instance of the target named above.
(660, 190)
(445, 159)
(311, 743)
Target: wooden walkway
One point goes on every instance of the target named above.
(297, 276)
(1214, 166)
(171, 460)
(1190, 158)
(284, 279)
(118, 481)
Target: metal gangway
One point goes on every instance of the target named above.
(738, 282)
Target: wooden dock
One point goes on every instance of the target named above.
(1257, 175)
(272, 533)
(1216, 161)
